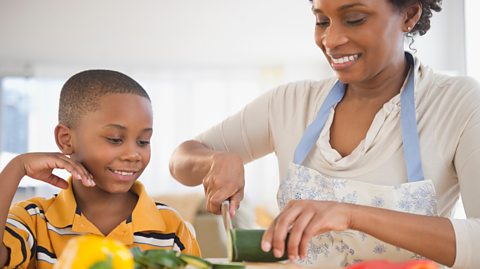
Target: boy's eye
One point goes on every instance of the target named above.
(114, 140)
(144, 142)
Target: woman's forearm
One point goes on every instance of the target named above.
(431, 237)
(190, 162)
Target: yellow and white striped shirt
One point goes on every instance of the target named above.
(38, 229)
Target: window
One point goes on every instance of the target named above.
(14, 116)
(472, 39)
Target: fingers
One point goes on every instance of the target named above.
(299, 235)
(77, 170)
(217, 193)
(57, 181)
(235, 202)
(275, 236)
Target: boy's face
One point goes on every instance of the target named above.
(113, 142)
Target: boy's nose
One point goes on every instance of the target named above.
(131, 154)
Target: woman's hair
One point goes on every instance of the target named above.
(423, 23)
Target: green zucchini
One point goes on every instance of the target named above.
(245, 245)
(231, 265)
(195, 261)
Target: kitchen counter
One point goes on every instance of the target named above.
(273, 265)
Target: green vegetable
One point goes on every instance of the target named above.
(232, 265)
(244, 245)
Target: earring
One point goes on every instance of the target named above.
(409, 28)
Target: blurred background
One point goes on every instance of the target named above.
(200, 61)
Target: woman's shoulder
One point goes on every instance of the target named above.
(304, 89)
(448, 86)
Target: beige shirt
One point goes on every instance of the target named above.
(448, 121)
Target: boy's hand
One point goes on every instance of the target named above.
(40, 166)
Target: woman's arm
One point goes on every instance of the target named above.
(431, 237)
(221, 173)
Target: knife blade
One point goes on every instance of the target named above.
(227, 221)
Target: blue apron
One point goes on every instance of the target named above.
(416, 196)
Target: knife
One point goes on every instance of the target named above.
(227, 221)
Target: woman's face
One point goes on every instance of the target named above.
(361, 39)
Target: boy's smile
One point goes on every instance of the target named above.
(113, 141)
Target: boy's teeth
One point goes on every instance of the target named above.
(123, 173)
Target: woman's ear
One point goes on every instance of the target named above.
(63, 138)
(412, 16)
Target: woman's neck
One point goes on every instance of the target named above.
(382, 87)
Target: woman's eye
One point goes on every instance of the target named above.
(356, 21)
(322, 23)
(114, 140)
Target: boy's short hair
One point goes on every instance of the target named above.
(81, 92)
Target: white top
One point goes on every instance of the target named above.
(448, 120)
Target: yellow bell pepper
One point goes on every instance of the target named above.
(94, 252)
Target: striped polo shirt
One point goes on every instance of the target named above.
(38, 229)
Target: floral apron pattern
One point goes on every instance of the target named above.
(415, 196)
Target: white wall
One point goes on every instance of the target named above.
(51, 36)
(200, 60)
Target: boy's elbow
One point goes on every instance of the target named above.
(4, 254)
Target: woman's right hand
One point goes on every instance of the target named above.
(225, 180)
(40, 166)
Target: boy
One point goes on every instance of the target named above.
(104, 131)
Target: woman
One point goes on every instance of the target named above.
(372, 161)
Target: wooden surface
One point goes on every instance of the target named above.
(280, 265)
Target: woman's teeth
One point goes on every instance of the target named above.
(345, 59)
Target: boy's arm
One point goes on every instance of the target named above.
(35, 165)
(9, 179)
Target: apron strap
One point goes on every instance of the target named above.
(315, 128)
(408, 122)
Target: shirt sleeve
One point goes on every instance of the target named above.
(467, 162)
(19, 238)
(188, 239)
(246, 133)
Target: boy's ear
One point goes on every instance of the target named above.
(63, 138)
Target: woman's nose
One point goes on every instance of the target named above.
(333, 36)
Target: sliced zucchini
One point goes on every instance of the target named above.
(245, 246)
(195, 261)
(231, 265)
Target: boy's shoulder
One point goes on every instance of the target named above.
(33, 206)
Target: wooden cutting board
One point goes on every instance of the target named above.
(273, 265)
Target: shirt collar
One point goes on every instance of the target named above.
(64, 212)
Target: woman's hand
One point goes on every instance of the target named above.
(303, 219)
(224, 180)
(40, 166)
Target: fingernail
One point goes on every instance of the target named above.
(266, 246)
(292, 258)
(92, 183)
(277, 253)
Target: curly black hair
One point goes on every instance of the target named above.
(423, 23)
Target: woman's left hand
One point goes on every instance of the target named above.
(303, 219)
